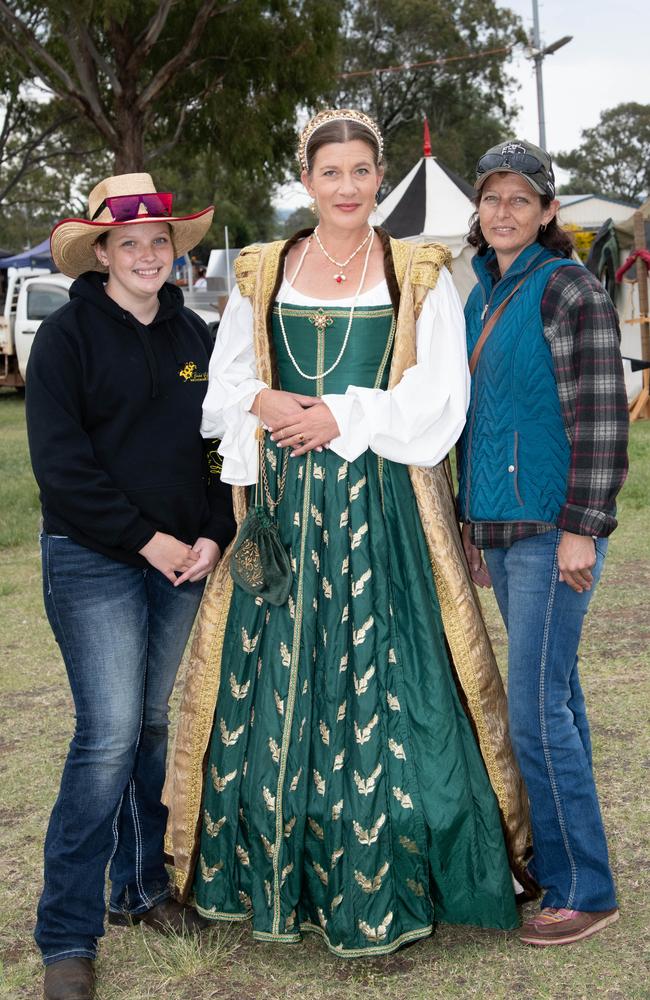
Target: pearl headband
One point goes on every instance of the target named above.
(333, 115)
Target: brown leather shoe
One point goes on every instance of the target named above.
(168, 917)
(70, 979)
(554, 925)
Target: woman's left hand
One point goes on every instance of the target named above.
(576, 557)
(313, 428)
(209, 555)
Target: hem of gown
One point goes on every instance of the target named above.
(309, 928)
(214, 915)
(277, 938)
(382, 949)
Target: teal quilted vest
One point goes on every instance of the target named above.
(514, 452)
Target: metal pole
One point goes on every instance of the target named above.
(537, 59)
(225, 230)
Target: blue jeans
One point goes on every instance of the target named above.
(122, 632)
(548, 721)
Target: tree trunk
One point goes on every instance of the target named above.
(130, 127)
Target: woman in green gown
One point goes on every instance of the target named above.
(350, 763)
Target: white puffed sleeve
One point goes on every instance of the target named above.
(421, 418)
(232, 387)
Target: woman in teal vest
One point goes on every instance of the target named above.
(541, 460)
(344, 789)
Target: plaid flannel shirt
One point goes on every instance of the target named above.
(581, 327)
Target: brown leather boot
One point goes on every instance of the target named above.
(168, 917)
(70, 979)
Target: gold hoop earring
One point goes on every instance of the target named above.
(543, 226)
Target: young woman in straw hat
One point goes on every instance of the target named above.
(134, 519)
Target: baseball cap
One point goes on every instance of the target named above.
(517, 156)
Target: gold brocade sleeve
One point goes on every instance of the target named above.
(245, 267)
(427, 262)
(424, 262)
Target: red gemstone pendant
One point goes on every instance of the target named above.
(338, 278)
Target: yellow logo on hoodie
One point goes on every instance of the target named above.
(190, 374)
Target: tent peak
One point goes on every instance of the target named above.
(426, 146)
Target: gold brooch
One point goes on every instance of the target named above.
(321, 320)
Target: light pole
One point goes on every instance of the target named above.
(537, 54)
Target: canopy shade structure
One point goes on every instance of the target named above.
(38, 256)
(432, 203)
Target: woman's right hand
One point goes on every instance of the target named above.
(276, 408)
(477, 568)
(169, 555)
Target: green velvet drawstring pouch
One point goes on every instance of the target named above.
(259, 563)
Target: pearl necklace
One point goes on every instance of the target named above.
(314, 378)
(339, 277)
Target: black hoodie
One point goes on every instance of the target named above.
(113, 417)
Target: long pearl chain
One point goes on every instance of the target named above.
(339, 277)
(314, 378)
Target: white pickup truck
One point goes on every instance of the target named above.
(32, 294)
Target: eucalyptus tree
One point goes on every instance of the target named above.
(145, 77)
(613, 157)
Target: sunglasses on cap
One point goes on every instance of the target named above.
(522, 162)
(125, 207)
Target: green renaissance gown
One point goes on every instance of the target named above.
(345, 793)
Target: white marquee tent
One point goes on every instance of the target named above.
(432, 203)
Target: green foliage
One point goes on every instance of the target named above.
(143, 76)
(45, 158)
(300, 218)
(198, 177)
(204, 93)
(467, 102)
(201, 94)
(613, 157)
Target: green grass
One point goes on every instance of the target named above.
(456, 963)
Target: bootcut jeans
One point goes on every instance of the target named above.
(122, 631)
(548, 720)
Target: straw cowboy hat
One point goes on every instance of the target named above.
(121, 201)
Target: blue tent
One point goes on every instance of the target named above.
(38, 256)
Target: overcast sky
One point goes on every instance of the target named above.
(605, 64)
